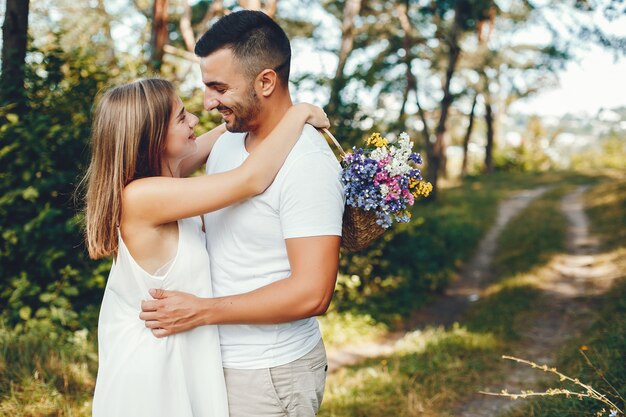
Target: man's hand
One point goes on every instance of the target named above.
(171, 312)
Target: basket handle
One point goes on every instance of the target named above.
(330, 135)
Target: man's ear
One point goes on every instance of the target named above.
(266, 82)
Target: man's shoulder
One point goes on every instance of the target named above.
(311, 142)
(311, 158)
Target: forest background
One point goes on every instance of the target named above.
(447, 72)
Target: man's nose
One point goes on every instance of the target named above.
(209, 100)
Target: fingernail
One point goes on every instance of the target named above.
(152, 291)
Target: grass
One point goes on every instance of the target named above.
(413, 262)
(453, 229)
(606, 207)
(340, 329)
(533, 237)
(43, 373)
(605, 342)
(528, 242)
(419, 379)
(436, 368)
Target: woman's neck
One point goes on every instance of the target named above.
(170, 168)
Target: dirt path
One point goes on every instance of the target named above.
(569, 280)
(457, 297)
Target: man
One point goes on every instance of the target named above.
(274, 258)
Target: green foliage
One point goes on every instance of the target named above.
(339, 329)
(414, 261)
(430, 370)
(46, 371)
(611, 155)
(45, 272)
(530, 155)
(512, 302)
(606, 206)
(411, 262)
(605, 344)
(533, 237)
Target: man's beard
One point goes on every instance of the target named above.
(244, 114)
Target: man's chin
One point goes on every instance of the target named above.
(235, 128)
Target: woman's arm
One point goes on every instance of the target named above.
(205, 144)
(160, 200)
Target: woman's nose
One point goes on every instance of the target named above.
(193, 120)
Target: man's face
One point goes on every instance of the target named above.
(230, 91)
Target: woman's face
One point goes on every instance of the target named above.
(180, 141)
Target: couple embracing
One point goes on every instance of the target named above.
(209, 307)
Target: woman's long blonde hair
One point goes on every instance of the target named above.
(128, 137)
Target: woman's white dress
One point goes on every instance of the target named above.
(139, 375)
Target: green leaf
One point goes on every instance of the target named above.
(30, 194)
(25, 313)
(46, 297)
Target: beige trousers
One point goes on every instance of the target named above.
(292, 390)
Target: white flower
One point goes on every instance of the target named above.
(379, 153)
(397, 167)
(384, 189)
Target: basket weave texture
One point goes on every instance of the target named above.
(359, 228)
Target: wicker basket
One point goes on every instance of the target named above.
(359, 227)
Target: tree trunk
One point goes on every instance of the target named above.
(185, 27)
(437, 161)
(159, 33)
(14, 35)
(468, 136)
(490, 135)
(215, 9)
(411, 80)
(351, 10)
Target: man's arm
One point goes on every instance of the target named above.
(307, 292)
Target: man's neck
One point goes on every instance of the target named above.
(269, 118)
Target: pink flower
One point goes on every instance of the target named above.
(410, 199)
(381, 177)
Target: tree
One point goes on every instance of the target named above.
(46, 274)
(160, 33)
(468, 135)
(351, 11)
(14, 35)
(466, 16)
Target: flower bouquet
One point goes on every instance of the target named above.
(381, 181)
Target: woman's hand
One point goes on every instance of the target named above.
(316, 116)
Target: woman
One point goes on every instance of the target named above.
(142, 211)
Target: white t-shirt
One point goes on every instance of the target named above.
(246, 242)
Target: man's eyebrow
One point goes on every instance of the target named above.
(214, 83)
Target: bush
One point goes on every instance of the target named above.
(45, 271)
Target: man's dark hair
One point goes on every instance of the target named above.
(256, 41)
